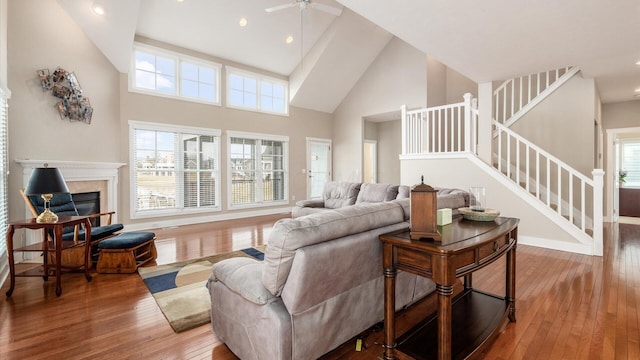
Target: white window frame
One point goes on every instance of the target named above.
(260, 202)
(259, 80)
(140, 125)
(178, 60)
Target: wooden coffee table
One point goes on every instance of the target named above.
(464, 325)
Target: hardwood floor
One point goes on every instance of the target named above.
(569, 306)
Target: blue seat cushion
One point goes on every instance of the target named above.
(97, 232)
(126, 240)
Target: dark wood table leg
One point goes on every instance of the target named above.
(12, 267)
(58, 245)
(45, 252)
(87, 248)
(389, 303)
(511, 283)
(445, 293)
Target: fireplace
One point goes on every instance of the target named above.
(81, 177)
(88, 203)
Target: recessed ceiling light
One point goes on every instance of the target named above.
(243, 22)
(180, 0)
(99, 9)
(637, 90)
(638, 62)
(289, 39)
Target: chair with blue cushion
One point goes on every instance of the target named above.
(62, 204)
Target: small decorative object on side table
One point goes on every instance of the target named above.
(484, 215)
(424, 217)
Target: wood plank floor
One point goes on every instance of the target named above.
(569, 306)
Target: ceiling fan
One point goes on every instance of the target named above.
(304, 4)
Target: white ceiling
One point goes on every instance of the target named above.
(484, 40)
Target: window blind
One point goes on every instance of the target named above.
(630, 162)
(176, 168)
(4, 172)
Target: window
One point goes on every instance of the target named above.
(176, 169)
(4, 170)
(164, 73)
(630, 162)
(253, 91)
(258, 169)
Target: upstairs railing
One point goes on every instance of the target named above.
(516, 96)
(441, 129)
(560, 187)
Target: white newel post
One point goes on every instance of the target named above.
(403, 124)
(467, 122)
(485, 117)
(598, 185)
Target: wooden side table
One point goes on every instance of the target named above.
(462, 326)
(49, 246)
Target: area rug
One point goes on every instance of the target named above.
(180, 289)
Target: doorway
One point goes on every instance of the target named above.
(612, 185)
(318, 165)
(370, 153)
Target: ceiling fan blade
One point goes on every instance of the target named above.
(326, 8)
(280, 7)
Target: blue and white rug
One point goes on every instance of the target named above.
(180, 289)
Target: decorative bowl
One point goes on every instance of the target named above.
(486, 215)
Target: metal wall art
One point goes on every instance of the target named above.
(64, 85)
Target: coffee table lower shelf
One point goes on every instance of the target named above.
(477, 318)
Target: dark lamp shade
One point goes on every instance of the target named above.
(46, 181)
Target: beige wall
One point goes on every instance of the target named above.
(41, 35)
(621, 115)
(395, 78)
(463, 173)
(563, 124)
(389, 149)
(3, 44)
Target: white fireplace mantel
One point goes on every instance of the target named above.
(80, 171)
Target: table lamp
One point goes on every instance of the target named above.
(45, 182)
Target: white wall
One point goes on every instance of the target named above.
(395, 78)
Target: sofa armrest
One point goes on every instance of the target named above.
(243, 276)
(314, 203)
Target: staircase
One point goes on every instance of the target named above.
(565, 196)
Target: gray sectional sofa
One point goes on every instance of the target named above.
(337, 194)
(320, 284)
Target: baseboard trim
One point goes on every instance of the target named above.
(556, 245)
(204, 219)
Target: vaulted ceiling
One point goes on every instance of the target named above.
(483, 40)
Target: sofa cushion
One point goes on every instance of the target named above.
(242, 276)
(404, 192)
(288, 235)
(452, 198)
(371, 193)
(337, 194)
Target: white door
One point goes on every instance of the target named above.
(318, 165)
